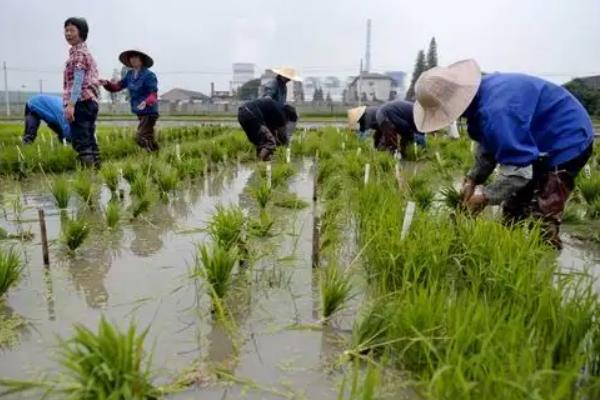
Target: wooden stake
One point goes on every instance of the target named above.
(315, 179)
(316, 239)
(44, 237)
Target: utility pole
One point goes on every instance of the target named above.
(360, 83)
(6, 99)
(368, 50)
(41, 87)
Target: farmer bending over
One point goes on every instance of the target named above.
(50, 110)
(362, 119)
(537, 132)
(276, 88)
(267, 124)
(395, 120)
(143, 89)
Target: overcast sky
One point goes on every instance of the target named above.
(194, 42)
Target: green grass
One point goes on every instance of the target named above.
(215, 264)
(74, 232)
(61, 191)
(335, 290)
(110, 175)
(10, 269)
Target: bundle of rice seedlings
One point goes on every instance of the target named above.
(10, 269)
(262, 226)
(61, 192)
(335, 290)
(166, 178)
(139, 186)
(215, 265)
(262, 194)
(110, 174)
(74, 232)
(227, 225)
(452, 197)
(289, 200)
(83, 185)
(140, 206)
(112, 214)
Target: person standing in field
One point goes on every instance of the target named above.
(50, 110)
(267, 124)
(143, 93)
(537, 132)
(80, 92)
(276, 88)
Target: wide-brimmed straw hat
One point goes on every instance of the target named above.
(147, 61)
(287, 72)
(444, 93)
(354, 115)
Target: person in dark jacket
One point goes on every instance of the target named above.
(276, 88)
(363, 119)
(143, 93)
(50, 110)
(537, 132)
(267, 124)
(395, 121)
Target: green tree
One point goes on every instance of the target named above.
(318, 95)
(249, 90)
(432, 56)
(420, 67)
(590, 98)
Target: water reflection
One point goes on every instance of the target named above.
(148, 234)
(88, 272)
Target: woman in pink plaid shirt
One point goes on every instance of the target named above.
(80, 96)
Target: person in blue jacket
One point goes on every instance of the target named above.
(276, 88)
(143, 92)
(395, 120)
(50, 110)
(538, 134)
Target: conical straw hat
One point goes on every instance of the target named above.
(444, 93)
(354, 115)
(287, 72)
(146, 59)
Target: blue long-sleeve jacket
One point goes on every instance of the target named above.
(140, 87)
(50, 110)
(516, 118)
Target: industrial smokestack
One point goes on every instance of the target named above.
(368, 50)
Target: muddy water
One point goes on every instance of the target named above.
(140, 273)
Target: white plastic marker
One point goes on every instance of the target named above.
(178, 152)
(288, 155)
(367, 171)
(473, 147)
(343, 146)
(358, 151)
(338, 129)
(587, 171)
(269, 175)
(39, 151)
(438, 157)
(453, 131)
(408, 217)
(64, 142)
(415, 148)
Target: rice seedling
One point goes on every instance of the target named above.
(589, 188)
(262, 194)
(452, 197)
(110, 174)
(364, 390)
(280, 173)
(84, 186)
(131, 172)
(10, 269)
(215, 265)
(166, 179)
(262, 226)
(140, 206)
(107, 364)
(74, 232)
(289, 200)
(227, 226)
(139, 186)
(112, 214)
(61, 191)
(335, 290)
(423, 197)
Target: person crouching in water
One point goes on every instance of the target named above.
(537, 132)
(267, 124)
(50, 110)
(143, 88)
